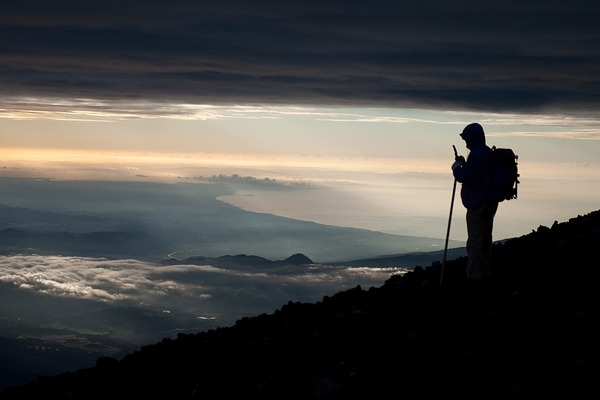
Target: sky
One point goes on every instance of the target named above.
(363, 99)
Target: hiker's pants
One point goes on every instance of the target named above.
(480, 223)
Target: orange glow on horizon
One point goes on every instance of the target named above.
(171, 166)
(53, 159)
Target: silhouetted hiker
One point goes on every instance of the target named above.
(473, 174)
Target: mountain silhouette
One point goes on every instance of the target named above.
(243, 260)
(530, 333)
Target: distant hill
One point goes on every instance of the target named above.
(408, 260)
(531, 333)
(243, 260)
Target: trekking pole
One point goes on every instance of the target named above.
(449, 222)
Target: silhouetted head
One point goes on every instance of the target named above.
(473, 135)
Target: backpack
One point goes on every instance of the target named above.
(504, 178)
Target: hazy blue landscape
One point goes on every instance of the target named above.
(149, 220)
(93, 268)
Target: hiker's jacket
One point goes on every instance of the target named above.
(475, 172)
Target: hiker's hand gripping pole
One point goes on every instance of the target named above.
(456, 158)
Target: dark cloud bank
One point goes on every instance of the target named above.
(497, 56)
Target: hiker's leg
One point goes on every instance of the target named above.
(488, 213)
(475, 243)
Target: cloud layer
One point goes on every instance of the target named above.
(189, 297)
(494, 56)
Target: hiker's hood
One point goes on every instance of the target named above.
(473, 135)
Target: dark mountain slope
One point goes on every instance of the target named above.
(533, 333)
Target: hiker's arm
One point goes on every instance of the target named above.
(469, 171)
